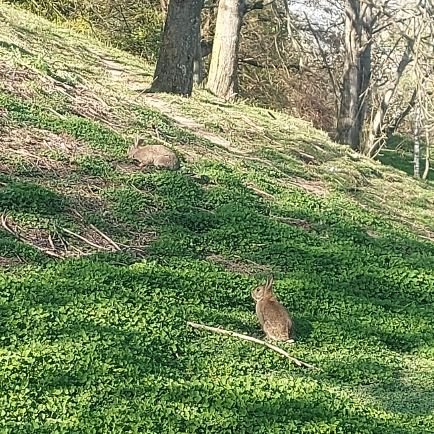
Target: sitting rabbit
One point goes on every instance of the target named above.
(275, 320)
(158, 156)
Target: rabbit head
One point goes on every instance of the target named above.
(134, 147)
(264, 292)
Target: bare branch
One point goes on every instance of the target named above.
(85, 240)
(325, 62)
(278, 350)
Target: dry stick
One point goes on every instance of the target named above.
(67, 231)
(106, 237)
(50, 240)
(297, 362)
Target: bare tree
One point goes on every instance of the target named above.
(174, 70)
(376, 137)
(380, 42)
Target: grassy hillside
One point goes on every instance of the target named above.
(102, 264)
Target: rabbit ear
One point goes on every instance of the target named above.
(268, 285)
(138, 141)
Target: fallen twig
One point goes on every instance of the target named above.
(97, 246)
(297, 362)
(102, 234)
(50, 240)
(260, 192)
(106, 237)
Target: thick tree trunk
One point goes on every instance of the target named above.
(174, 70)
(357, 73)
(223, 71)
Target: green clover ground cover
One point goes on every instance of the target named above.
(99, 343)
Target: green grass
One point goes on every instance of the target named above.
(97, 341)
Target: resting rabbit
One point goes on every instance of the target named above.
(158, 156)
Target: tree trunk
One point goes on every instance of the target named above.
(416, 159)
(223, 71)
(375, 139)
(357, 73)
(174, 70)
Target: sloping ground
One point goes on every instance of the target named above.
(103, 264)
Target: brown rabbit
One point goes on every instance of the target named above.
(153, 155)
(274, 318)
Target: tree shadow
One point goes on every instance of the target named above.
(120, 330)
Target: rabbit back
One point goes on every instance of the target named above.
(154, 155)
(169, 161)
(274, 319)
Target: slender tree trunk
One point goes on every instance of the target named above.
(223, 71)
(427, 157)
(416, 159)
(174, 70)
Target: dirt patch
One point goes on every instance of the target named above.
(7, 262)
(16, 80)
(315, 187)
(33, 141)
(187, 123)
(61, 242)
(39, 150)
(106, 110)
(239, 265)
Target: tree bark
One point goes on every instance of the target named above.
(223, 71)
(427, 157)
(164, 6)
(174, 70)
(357, 72)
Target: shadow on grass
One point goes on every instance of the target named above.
(110, 337)
(111, 341)
(14, 47)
